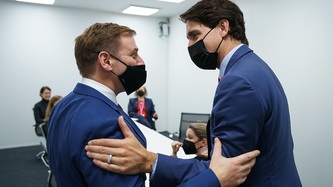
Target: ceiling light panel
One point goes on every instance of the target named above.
(172, 1)
(142, 11)
(46, 2)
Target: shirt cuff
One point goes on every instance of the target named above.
(153, 167)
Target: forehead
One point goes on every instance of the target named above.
(195, 28)
(127, 43)
(190, 132)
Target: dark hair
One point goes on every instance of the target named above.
(211, 12)
(43, 89)
(96, 38)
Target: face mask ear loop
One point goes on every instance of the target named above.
(199, 146)
(207, 33)
(219, 45)
(119, 61)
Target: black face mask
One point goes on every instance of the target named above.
(189, 147)
(133, 77)
(140, 93)
(201, 57)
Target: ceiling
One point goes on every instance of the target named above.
(116, 6)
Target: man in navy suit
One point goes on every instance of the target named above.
(108, 60)
(250, 109)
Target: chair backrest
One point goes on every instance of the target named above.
(188, 118)
(43, 129)
(38, 131)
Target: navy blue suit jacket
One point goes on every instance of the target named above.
(150, 110)
(250, 111)
(83, 115)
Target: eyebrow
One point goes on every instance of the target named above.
(192, 33)
(134, 51)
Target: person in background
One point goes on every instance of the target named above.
(40, 107)
(143, 108)
(194, 143)
(53, 101)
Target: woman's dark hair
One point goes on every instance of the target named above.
(44, 88)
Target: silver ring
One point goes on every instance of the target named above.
(109, 159)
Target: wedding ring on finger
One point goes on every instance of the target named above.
(110, 159)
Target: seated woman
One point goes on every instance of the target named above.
(194, 143)
(53, 101)
(143, 108)
(40, 107)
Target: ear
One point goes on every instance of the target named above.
(105, 61)
(224, 27)
(204, 141)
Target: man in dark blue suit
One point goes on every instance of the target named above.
(108, 60)
(250, 109)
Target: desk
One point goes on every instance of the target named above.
(158, 143)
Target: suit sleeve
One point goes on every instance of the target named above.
(132, 108)
(153, 107)
(95, 176)
(205, 178)
(237, 116)
(171, 171)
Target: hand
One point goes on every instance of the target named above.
(175, 147)
(231, 171)
(155, 116)
(128, 155)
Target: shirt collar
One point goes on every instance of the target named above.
(226, 60)
(107, 92)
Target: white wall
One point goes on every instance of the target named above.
(37, 49)
(292, 36)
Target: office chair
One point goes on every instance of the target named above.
(39, 134)
(43, 154)
(188, 118)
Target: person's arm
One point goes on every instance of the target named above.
(37, 115)
(238, 115)
(130, 157)
(216, 176)
(132, 108)
(155, 115)
(93, 175)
